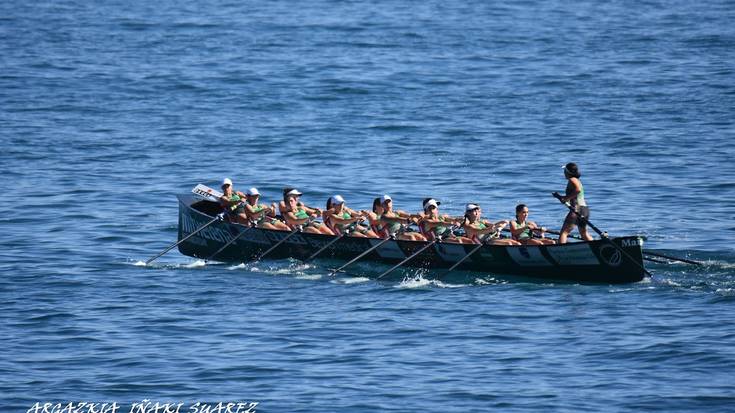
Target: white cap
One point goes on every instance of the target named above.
(294, 192)
(385, 198)
(253, 191)
(337, 199)
(226, 181)
(470, 207)
(430, 202)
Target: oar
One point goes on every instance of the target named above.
(235, 238)
(551, 231)
(647, 252)
(456, 264)
(668, 257)
(422, 249)
(292, 233)
(346, 232)
(219, 217)
(655, 260)
(366, 252)
(312, 256)
(409, 258)
(603, 236)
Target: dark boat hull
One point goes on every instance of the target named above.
(586, 262)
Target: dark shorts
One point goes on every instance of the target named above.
(573, 219)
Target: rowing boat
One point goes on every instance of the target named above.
(587, 262)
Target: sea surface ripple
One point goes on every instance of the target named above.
(108, 109)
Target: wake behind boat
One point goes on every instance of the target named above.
(201, 235)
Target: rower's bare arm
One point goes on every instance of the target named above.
(340, 219)
(292, 220)
(573, 191)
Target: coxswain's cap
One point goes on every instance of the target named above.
(294, 192)
(337, 199)
(226, 181)
(431, 202)
(253, 191)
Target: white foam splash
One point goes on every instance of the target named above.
(140, 264)
(351, 280)
(418, 281)
(414, 282)
(237, 267)
(721, 264)
(309, 276)
(670, 282)
(195, 264)
(442, 284)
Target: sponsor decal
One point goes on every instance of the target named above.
(635, 242)
(189, 225)
(528, 256)
(611, 255)
(573, 254)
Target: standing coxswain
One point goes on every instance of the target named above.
(575, 196)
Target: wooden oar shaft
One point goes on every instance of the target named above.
(329, 244)
(668, 257)
(235, 238)
(172, 246)
(369, 250)
(463, 259)
(422, 249)
(292, 233)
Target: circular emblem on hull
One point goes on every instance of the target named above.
(611, 255)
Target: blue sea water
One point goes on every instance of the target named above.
(108, 109)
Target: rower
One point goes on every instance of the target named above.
(263, 216)
(232, 203)
(391, 221)
(433, 225)
(478, 230)
(297, 214)
(340, 219)
(575, 196)
(374, 217)
(522, 230)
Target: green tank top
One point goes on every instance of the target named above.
(342, 225)
(481, 225)
(301, 214)
(393, 227)
(526, 234)
(440, 229)
(580, 196)
(234, 198)
(257, 208)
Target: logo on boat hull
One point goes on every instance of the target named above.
(611, 255)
